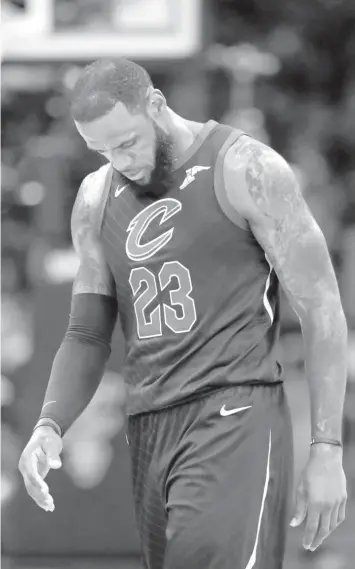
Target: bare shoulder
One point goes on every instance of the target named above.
(94, 274)
(258, 179)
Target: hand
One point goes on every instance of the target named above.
(321, 495)
(39, 456)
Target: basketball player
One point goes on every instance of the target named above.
(186, 233)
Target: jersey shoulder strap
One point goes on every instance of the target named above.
(103, 179)
(219, 184)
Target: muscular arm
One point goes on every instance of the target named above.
(94, 275)
(264, 190)
(79, 363)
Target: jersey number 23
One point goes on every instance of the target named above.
(144, 284)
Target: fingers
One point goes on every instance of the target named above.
(300, 509)
(42, 498)
(321, 522)
(341, 511)
(35, 485)
(312, 541)
(311, 528)
(334, 518)
(39, 456)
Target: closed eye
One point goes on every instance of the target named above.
(99, 150)
(128, 144)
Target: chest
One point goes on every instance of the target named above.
(185, 226)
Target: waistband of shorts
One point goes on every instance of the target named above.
(208, 394)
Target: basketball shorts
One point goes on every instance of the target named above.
(213, 480)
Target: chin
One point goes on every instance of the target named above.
(146, 178)
(142, 181)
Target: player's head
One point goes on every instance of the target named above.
(120, 115)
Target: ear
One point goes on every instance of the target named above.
(156, 103)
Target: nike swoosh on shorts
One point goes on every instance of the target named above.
(225, 412)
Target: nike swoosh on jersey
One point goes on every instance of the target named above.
(225, 412)
(120, 190)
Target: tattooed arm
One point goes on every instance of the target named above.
(94, 275)
(265, 191)
(263, 188)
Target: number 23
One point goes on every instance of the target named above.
(149, 325)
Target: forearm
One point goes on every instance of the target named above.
(80, 361)
(75, 376)
(325, 338)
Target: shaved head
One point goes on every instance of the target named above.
(104, 83)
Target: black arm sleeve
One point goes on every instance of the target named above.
(79, 364)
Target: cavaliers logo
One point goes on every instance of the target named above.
(164, 209)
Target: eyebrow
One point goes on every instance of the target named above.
(131, 137)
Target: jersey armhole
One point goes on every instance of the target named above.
(219, 186)
(106, 185)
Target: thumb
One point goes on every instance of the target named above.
(300, 508)
(55, 463)
(52, 452)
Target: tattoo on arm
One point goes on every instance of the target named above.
(284, 226)
(295, 246)
(94, 275)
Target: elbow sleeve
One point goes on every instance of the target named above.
(92, 319)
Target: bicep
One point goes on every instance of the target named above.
(296, 248)
(283, 225)
(94, 274)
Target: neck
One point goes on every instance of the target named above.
(182, 132)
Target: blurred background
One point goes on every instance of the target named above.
(282, 71)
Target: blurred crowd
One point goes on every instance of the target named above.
(282, 71)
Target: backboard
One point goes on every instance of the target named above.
(47, 30)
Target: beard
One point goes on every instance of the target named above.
(161, 178)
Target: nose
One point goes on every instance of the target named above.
(120, 160)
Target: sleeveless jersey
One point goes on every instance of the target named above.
(198, 300)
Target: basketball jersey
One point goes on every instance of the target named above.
(198, 300)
